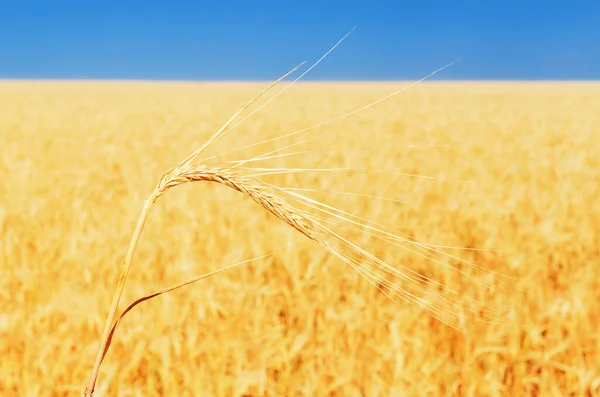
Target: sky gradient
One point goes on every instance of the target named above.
(260, 40)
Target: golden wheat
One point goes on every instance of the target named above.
(296, 324)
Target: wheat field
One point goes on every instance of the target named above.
(504, 176)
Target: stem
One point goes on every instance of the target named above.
(118, 292)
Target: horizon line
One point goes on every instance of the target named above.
(307, 81)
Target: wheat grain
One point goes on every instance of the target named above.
(251, 187)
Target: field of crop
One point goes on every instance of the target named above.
(496, 177)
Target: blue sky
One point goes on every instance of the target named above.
(260, 40)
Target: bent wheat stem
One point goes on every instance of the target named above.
(119, 291)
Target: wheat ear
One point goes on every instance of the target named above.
(276, 201)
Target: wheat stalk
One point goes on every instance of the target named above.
(278, 201)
